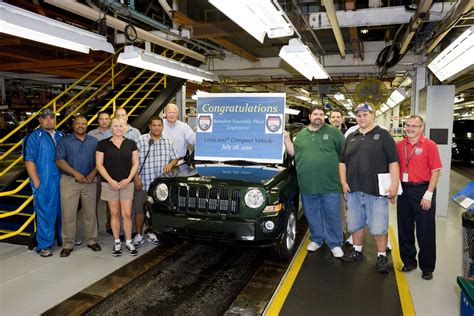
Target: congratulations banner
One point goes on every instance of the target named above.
(240, 126)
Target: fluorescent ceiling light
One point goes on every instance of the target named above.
(398, 95)
(314, 102)
(304, 91)
(198, 93)
(407, 82)
(300, 57)
(384, 108)
(347, 103)
(391, 103)
(456, 58)
(303, 98)
(292, 111)
(257, 17)
(378, 112)
(458, 98)
(25, 24)
(339, 96)
(137, 57)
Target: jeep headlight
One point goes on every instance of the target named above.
(161, 192)
(254, 198)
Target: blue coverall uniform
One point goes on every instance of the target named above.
(39, 147)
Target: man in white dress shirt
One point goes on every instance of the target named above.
(178, 132)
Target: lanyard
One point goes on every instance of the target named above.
(406, 154)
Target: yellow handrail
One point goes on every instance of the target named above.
(11, 166)
(116, 96)
(19, 209)
(10, 150)
(88, 99)
(55, 99)
(20, 230)
(138, 90)
(53, 102)
(18, 188)
(63, 121)
(147, 94)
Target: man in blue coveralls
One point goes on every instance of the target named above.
(39, 152)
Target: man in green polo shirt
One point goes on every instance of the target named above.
(317, 149)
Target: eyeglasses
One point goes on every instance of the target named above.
(412, 126)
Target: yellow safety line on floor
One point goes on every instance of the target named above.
(403, 290)
(288, 279)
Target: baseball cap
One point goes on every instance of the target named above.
(364, 107)
(46, 112)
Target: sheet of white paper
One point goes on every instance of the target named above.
(466, 203)
(385, 181)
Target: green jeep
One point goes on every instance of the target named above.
(235, 202)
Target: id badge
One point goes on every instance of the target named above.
(405, 177)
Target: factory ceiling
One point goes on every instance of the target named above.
(347, 37)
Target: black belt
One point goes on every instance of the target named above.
(415, 184)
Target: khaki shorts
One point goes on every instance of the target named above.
(138, 200)
(109, 194)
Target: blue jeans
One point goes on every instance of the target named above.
(322, 212)
(367, 210)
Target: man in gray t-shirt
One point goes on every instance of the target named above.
(101, 132)
(103, 118)
(131, 133)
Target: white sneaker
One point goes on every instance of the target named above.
(349, 241)
(313, 246)
(117, 250)
(138, 240)
(389, 244)
(151, 237)
(337, 252)
(131, 249)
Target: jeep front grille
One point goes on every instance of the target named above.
(204, 200)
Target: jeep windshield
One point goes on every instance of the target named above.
(251, 174)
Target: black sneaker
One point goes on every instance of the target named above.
(408, 268)
(131, 249)
(354, 255)
(427, 275)
(382, 264)
(117, 250)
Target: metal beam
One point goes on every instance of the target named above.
(182, 19)
(445, 26)
(464, 87)
(52, 63)
(91, 14)
(356, 43)
(331, 13)
(375, 16)
(415, 22)
(17, 56)
(10, 42)
(236, 67)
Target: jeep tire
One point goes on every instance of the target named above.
(287, 244)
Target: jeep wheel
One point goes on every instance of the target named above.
(286, 246)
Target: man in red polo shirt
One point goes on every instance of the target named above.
(420, 166)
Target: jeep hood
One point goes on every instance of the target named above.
(257, 174)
